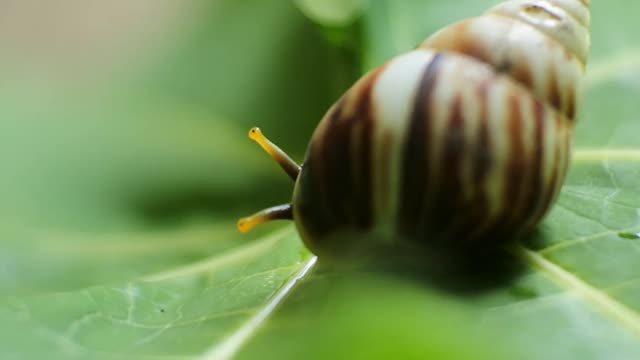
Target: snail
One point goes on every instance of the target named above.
(461, 142)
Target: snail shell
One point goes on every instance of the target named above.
(462, 141)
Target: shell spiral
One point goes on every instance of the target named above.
(464, 140)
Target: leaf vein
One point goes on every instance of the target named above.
(232, 344)
(590, 155)
(567, 243)
(599, 299)
(217, 261)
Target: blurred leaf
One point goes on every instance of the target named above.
(178, 312)
(332, 12)
(132, 159)
(92, 267)
(277, 73)
(372, 316)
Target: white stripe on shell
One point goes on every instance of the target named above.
(393, 98)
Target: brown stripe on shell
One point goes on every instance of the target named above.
(537, 186)
(463, 39)
(553, 90)
(549, 189)
(348, 174)
(383, 173)
(571, 103)
(565, 145)
(562, 160)
(365, 115)
(469, 220)
(337, 177)
(517, 162)
(414, 178)
(504, 224)
(459, 38)
(449, 198)
(363, 199)
(522, 73)
(337, 158)
(313, 204)
(482, 162)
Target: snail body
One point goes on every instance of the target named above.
(463, 141)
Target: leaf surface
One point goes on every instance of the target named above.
(106, 254)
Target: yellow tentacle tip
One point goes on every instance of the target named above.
(245, 224)
(242, 225)
(255, 133)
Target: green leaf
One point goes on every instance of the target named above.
(117, 234)
(186, 310)
(120, 187)
(365, 316)
(332, 12)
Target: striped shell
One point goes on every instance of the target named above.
(463, 141)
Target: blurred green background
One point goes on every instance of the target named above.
(122, 118)
(124, 163)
